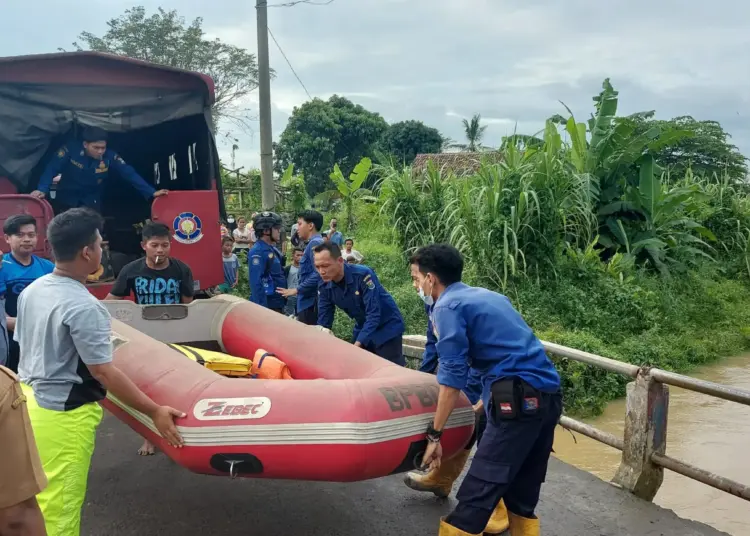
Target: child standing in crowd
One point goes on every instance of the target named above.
(291, 273)
(231, 265)
(351, 255)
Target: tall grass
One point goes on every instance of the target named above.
(653, 271)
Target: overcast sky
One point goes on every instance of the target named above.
(439, 61)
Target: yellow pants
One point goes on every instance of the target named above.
(65, 440)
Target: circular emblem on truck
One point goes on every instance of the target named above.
(188, 228)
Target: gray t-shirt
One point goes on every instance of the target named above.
(61, 328)
(292, 279)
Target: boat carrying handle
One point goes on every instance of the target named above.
(164, 312)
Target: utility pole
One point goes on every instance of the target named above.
(264, 91)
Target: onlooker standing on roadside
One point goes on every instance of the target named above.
(335, 236)
(242, 237)
(351, 255)
(231, 265)
(231, 223)
(291, 273)
(20, 268)
(309, 224)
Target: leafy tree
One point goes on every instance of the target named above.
(292, 192)
(322, 133)
(405, 140)
(707, 151)
(164, 38)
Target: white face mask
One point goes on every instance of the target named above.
(230, 220)
(426, 298)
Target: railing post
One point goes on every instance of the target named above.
(645, 433)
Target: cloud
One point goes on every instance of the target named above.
(440, 61)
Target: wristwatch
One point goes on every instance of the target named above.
(433, 435)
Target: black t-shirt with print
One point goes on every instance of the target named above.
(155, 287)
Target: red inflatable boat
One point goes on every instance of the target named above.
(347, 415)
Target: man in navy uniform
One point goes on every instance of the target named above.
(439, 481)
(479, 329)
(309, 224)
(83, 168)
(379, 326)
(264, 262)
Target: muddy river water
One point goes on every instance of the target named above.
(711, 433)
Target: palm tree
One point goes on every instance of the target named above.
(474, 133)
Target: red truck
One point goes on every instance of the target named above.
(158, 119)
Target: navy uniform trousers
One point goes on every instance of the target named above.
(510, 464)
(392, 350)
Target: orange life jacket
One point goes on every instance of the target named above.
(266, 366)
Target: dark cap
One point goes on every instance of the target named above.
(91, 134)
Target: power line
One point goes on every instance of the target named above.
(289, 63)
(308, 2)
(295, 72)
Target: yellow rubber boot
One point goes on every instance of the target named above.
(449, 530)
(498, 522)
(439, 481)
(523, 526)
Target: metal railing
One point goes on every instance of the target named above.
(643, 444)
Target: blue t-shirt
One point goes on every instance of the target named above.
(14, 277)
(231, 267)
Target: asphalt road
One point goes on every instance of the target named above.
(133, 496)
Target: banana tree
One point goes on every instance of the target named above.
(614, 149)
(349, 190)
(655, 224)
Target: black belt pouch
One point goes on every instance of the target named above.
(505, 399)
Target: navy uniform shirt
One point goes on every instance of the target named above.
(361, 296)
(473, 389)
(309, 279)
(82, 180)
(266, 275)
(479, 329)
